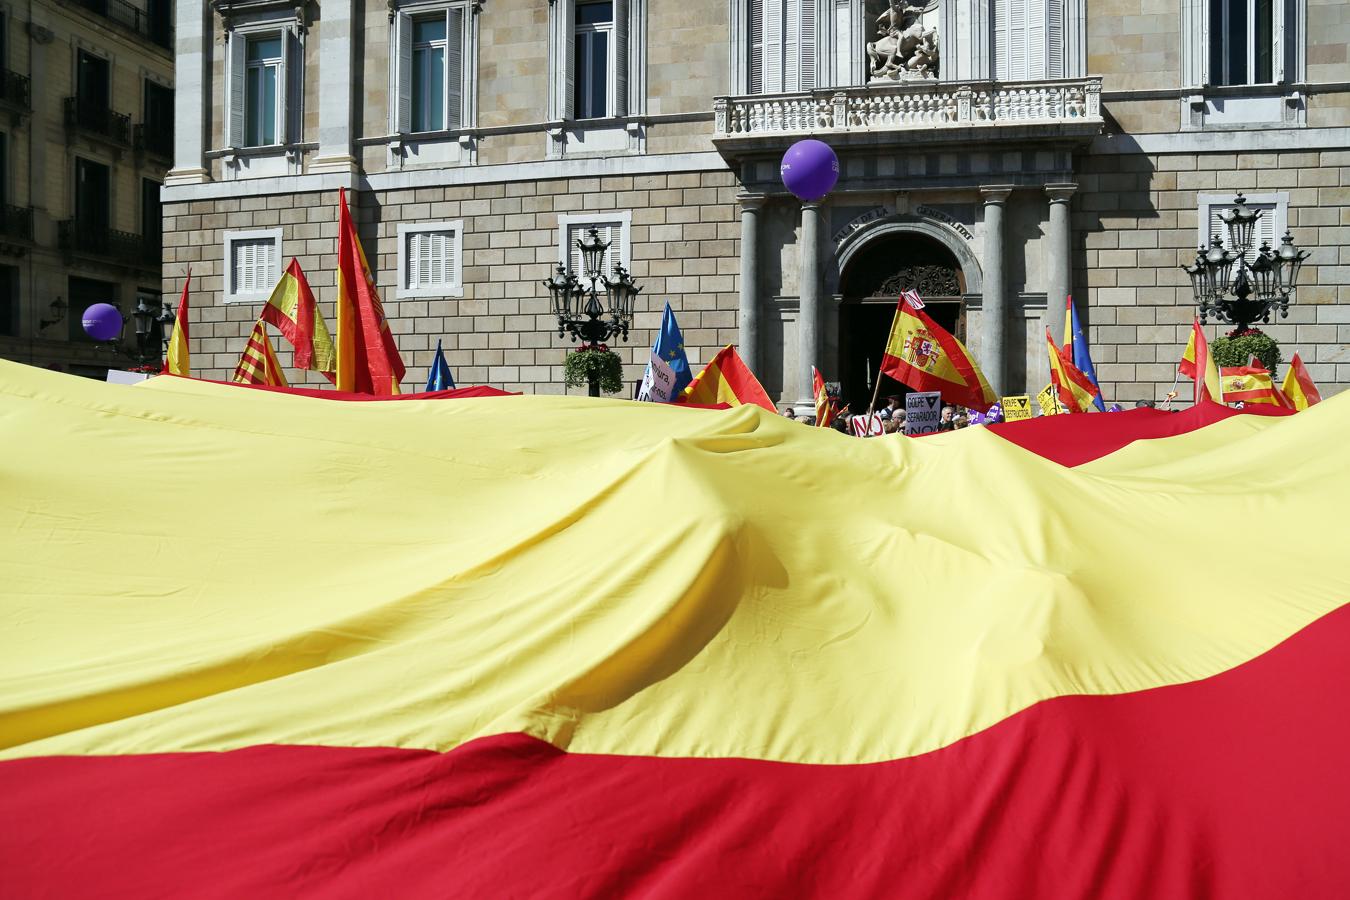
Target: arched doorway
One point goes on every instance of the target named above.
(870, 284)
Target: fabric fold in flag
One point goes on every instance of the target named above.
(439, 378)
(367, 355)
(177, 359)
(726, 379)
(258, 363)
(925, 356)
(667, 372)
(294, 312)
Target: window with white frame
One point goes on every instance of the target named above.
(612, 228)
(259, 85)
(1242, 45)
(1028, 39)
(431, 67)
(252, 264)
(593, 58)
(596, 53)
(429, 259)
(1274, 209)
(783, 41)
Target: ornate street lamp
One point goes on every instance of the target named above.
(578, 307)
(1240, 285)
(149, 345)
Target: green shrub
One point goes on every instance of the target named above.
(1237, 349)
(601, 361)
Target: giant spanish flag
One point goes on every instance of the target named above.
(927, 357)
(564, 647)
(367, 355)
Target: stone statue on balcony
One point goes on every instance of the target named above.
(906, 48)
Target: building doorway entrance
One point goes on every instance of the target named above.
(871, 286)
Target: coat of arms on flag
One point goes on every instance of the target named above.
(921, 350)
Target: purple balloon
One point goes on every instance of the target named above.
(809, 170)
(102, 322)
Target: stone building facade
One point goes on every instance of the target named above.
(1010, 153)
(86, 137)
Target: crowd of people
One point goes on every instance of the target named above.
(892, 416)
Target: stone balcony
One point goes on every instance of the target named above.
(928, 112)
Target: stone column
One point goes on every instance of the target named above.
(749, 308)
(336, 84)
(994, 303)
(192, 54)
(810, 289)
(1058, 268)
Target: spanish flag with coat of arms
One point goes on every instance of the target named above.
(925, 356)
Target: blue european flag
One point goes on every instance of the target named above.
(668, 370)
(1082, 359)
(439, 378)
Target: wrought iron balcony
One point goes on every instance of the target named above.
(154, 27)
(155, 139)
(926, 106)
(99, 121)
(76, 238)
(16, 223)
(14, 90)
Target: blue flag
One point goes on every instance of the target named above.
(1082, 359)
(439, 378)
(668, 369)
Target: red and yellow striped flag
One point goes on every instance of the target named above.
(1299, 386)
(292, 309)
(258, 364)
(1251, 383)
(367, 355)
(1208, 382)
(825, 409)
(1075, 390)
(177, 360)
(726, 379)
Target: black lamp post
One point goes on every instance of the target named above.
(578, 306)
(1239, 285)
(151, 340)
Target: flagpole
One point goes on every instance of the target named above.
(876, 389)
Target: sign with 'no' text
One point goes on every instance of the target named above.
(923, 412)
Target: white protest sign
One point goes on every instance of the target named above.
(659, 383)
(866, 426)
(118, 376)
(923, 412)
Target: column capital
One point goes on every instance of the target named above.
(813, 204)
(751, 201)
(995, 193)
(1060, 192)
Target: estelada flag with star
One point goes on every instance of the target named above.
(668, 369)
(367, 356)
(925, 356)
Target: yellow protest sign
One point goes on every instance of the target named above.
(1015, 408)
(1049, 403)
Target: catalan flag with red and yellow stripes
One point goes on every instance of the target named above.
(258, 363)
(543, 646)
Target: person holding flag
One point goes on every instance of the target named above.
(1076, 350)
(177, 360)
(925, 356)
(1075, 392)
(438, 379)
(667, 372)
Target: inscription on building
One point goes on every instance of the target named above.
(931, 213)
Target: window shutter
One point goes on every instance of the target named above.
(807, 53)
(843, 43)
(792, 58)
(756, 79)
(1001, 62)
(773, 46)
(454, 67)
(268, 266)
(234, 101)
(403, 119)
(568, 10)
(619, 105)
(435, 242)
(284, 89)
(1054, 39)
(413, 277)
(1267, 229)
(448, 256)
(1034, 41)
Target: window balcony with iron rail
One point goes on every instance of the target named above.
(15, 91)
(154, 139)
(154, 26)
(77, 238)
(98, 121)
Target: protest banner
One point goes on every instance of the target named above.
(923, 412)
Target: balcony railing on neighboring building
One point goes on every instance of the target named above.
(912, 105)
(155, 139)
(84, 239)
(14, 90)
(99, 121)
(16, 223)
(151, 26)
